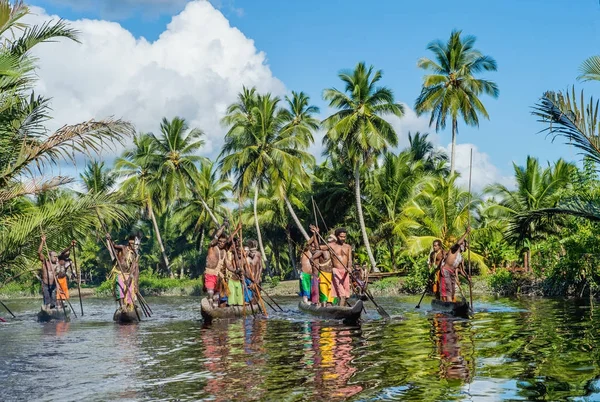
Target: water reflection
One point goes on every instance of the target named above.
(451, 338)
(511, 350)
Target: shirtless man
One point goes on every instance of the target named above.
(435, 259)
(215, 263)
(126, 271)
(322, 257)
(341, 264)
(234, 264)
(307, 272)
(64, 271)
(49, 268)
(449, 268)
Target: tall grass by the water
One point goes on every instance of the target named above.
(16, 289)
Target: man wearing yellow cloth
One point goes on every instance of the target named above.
(322, 257)
(125, 272)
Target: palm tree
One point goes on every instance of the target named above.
(176, 149)
(358, 131)
(263, 147)
(439, 212)
(451, 88)
(434, 160)
(536, 188)
(208, 198)
(97, 179)
(138, 167)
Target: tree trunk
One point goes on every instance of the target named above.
(258, 235)
(291, 251)
(201, 240)
(208, 210)
(527, 260)
(453, 150)
(159, 239)
(361, 219)
(181, 273)
(295, 217)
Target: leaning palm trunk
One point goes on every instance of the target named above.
(209, 211)
(361, 218)
(453, 150)
(258, 235)
(295, 217)
(159, 239)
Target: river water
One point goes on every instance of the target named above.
(528, 349)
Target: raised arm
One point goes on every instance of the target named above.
(315, 238)
(218, 233)
(41, 248)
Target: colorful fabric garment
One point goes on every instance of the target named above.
(121, 288)
(448, 283)
(305, 284)
(235, 293)
(325, 281)
(248, 294)
(62, 292)
(341, 283)
(210, 281)
(314, 289)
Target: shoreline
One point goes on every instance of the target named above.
(289, 288)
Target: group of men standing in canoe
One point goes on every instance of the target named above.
(447, 265)
(233, 271)
(57, 269)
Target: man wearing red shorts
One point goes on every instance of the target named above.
(215, 262)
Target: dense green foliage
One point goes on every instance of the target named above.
(394, 202)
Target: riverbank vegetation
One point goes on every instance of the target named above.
(394, 201)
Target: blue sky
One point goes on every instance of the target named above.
(538, 45)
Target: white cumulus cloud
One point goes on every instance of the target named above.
(194, 70)
(484, 171)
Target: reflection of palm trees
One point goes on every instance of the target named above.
(449, 341)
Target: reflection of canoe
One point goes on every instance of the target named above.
(460, 308)
(125, 317)
(210, 313)
(348, 314)
(57, 313)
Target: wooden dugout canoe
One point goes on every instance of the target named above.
(348, 314)
(126, 317)
(57, 313)
(210, 313)
(459, 309)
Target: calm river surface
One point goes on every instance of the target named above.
(528, 349)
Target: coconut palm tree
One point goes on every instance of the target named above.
(138, 167)
(263, 147)
(358, 131)
(536, 188)
(452, 88)
(209, 196)
(176, 148)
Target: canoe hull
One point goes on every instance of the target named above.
(347, 314)
(127, 317)
(210, 313)
(57, 314)
(459, 309)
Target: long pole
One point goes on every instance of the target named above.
(244, 261)
(469, 235)
(56, 282)
(380, 309)
(113, 252)
(78, 273)
(7, 309)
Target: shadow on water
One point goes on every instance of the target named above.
(530, 349)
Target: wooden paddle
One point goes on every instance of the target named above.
(379, 309)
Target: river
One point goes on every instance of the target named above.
(527, 349)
